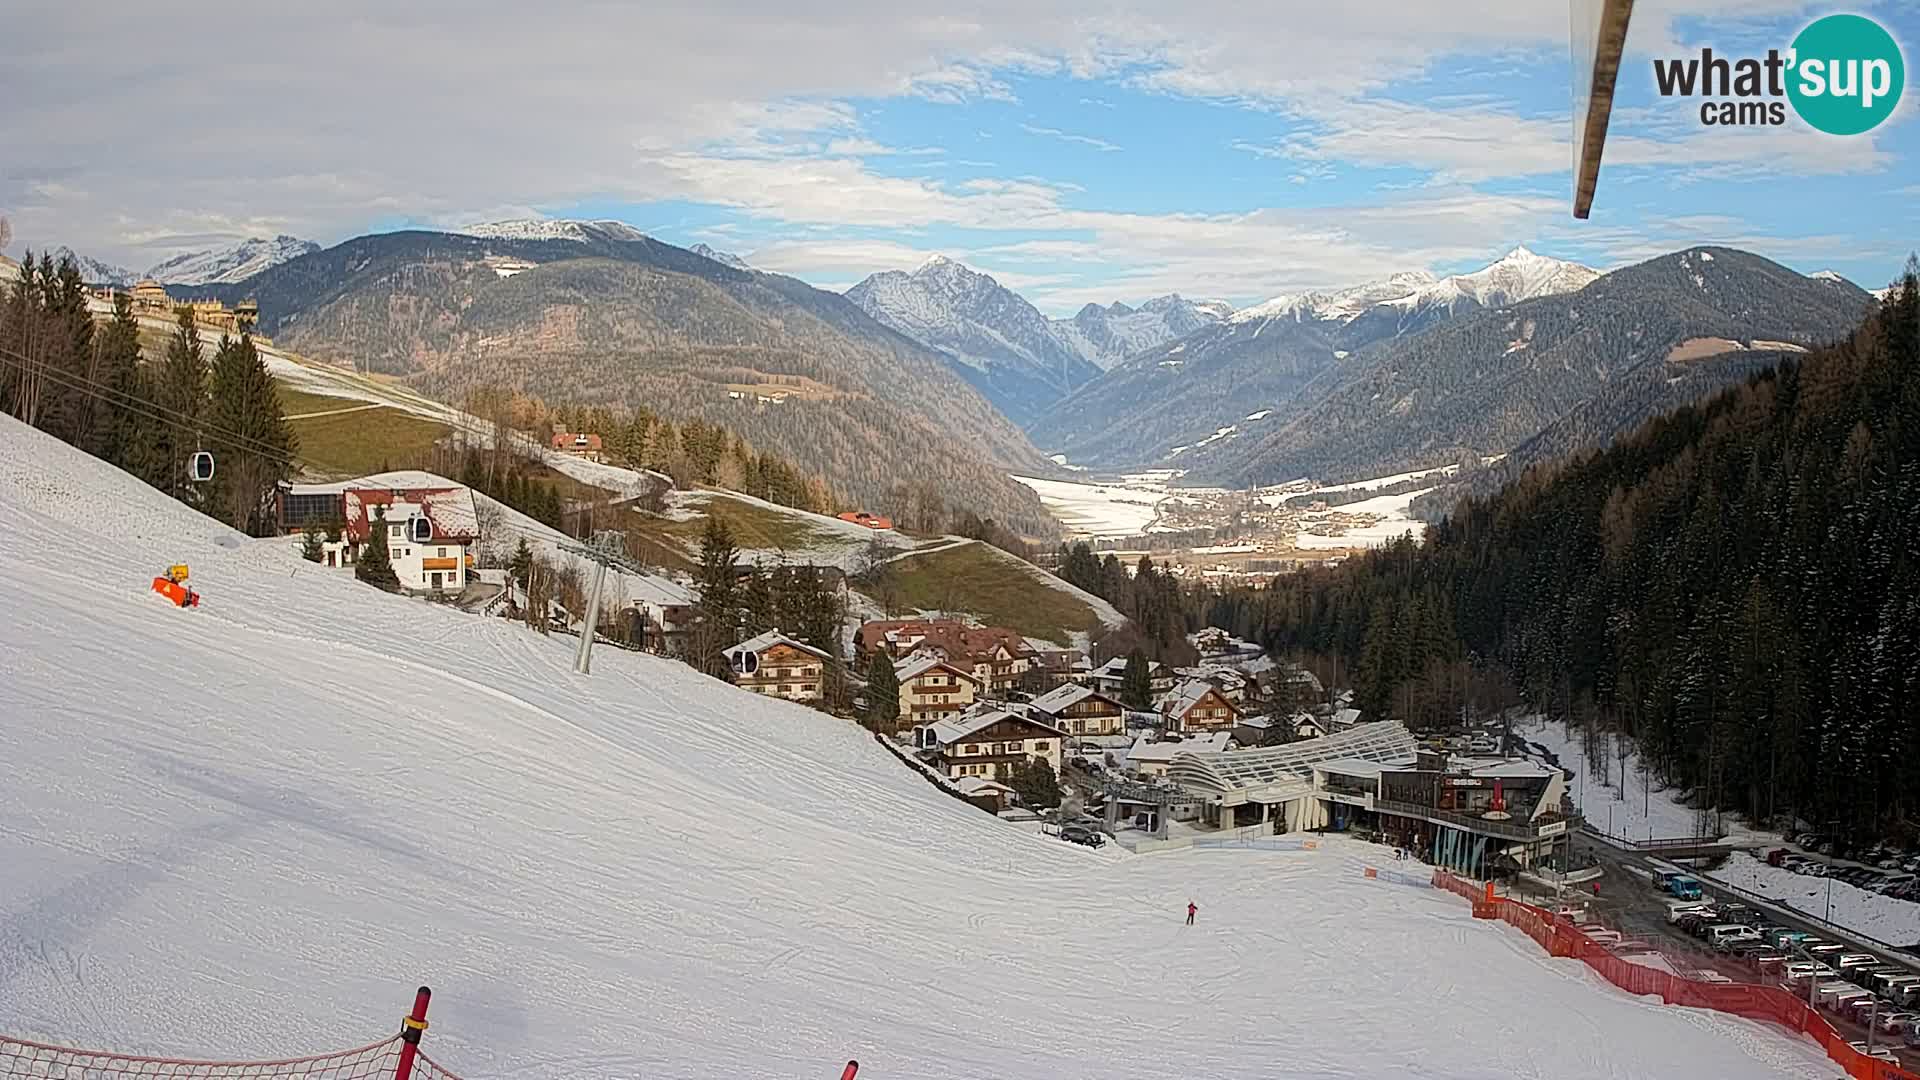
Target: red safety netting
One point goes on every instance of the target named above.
(1756, 1001)
(21, 1058)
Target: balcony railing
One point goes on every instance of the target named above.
(1512, 829)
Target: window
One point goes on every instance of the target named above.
(1040, 747)
(972, 748)
(443, 553)
(806, 688)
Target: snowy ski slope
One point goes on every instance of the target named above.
(252, 828)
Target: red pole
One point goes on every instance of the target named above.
(853, 1067)
(410, 1029)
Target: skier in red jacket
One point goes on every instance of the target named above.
(1191, 910)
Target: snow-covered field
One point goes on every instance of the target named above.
(1098, 510)
(1624, 804)
(1132, 506)
(1896, 922)
(251, 828)
(1393, 524)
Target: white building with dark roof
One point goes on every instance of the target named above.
(989, 743)
(933, 689)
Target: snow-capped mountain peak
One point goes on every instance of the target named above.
(1518, 275)
(1002, 342)
(237, 262)
(1339, 305)
(93, 271)
(554, 229)
(724, 258)
(1108, 335)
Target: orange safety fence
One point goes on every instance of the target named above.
(1562, 937)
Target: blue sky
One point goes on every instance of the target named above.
(1077, 158)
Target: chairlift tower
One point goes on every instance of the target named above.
(604, 550)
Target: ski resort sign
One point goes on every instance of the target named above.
(1843, 75)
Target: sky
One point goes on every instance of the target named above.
(1084, 153)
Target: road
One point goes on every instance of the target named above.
(1627, 902)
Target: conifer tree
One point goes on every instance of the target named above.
(883, 694)
(717, 611)
(252, 441)
(118, 373)
(311, 544)
(1034, 781)
(375, 564)
(521, 563)
(1136, 681)
(180, 392)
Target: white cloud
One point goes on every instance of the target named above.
(362, 113)
(1067, 136)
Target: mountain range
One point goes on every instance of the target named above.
(1248, 368)
(215, 266)
(1551, 374)
(1021, 360)
(600, 312)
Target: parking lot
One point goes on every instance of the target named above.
(1628, 904)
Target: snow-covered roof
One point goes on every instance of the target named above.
(1243, 770)
(1146, 751)
(1345, 718)
(760, 643)
(1185, 696)
(980, 785)
(920, 663)
(962, 727)
(397, 480)
(1359, 766)
(1061, 698)
(1514, 770)
(449, 509)
(658, 591)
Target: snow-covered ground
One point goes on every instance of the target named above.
(1393, 524)
(1099, 510)
(304, 798)
(1628, 804)
(1896, 922)
(1131, 506)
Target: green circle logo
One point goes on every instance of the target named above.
(1846, 75)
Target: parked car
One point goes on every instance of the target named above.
(1879, 1052)
(1081, 834)
(1725, 935)
(1680, 909)
(1893, 1023)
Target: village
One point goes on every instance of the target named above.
(1120, 750)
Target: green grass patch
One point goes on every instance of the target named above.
(992, 585)
(358, 443)
(753, 527)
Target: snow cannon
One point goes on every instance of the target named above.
(173, 585)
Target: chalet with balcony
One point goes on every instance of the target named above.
(429, 524)
(776, 665)
(997, 657)
(988, 743)
(1198, 706)
(932, 690)
(1080, 711)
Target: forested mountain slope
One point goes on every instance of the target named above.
(1597, 361)
(1736, 585)
(604, 317)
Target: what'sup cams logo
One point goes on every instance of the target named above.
(1843, 75)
